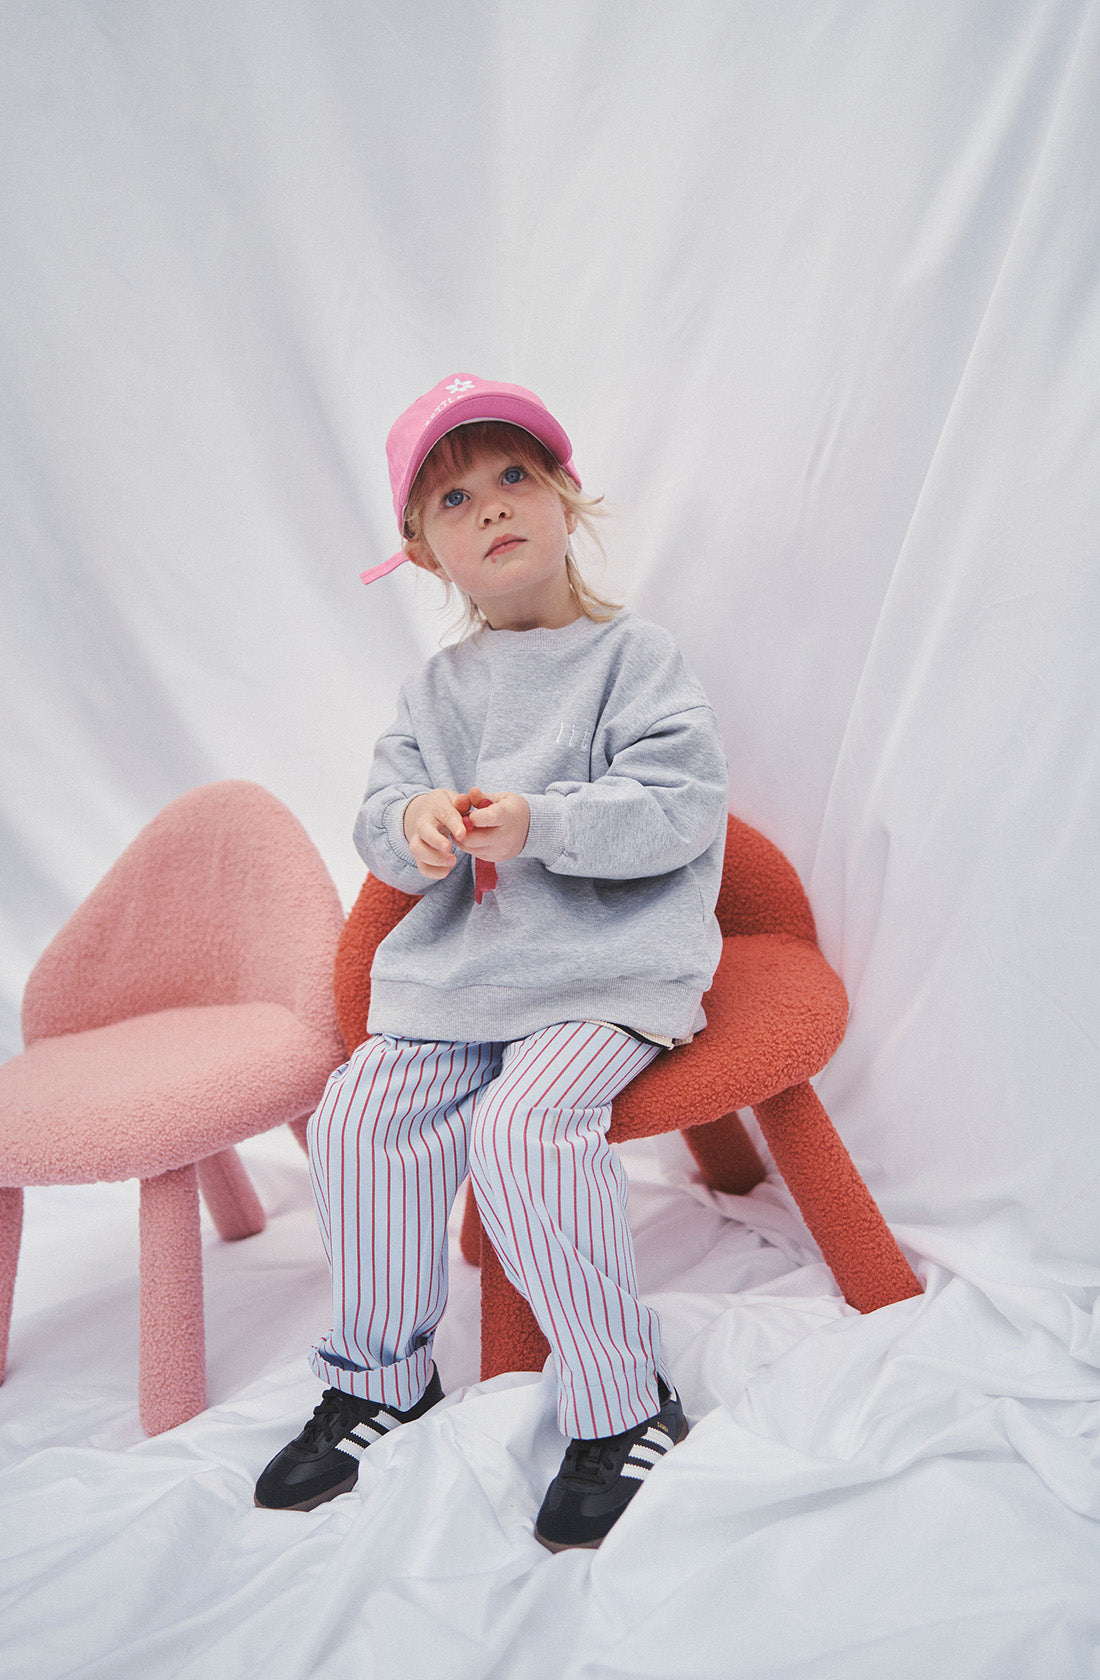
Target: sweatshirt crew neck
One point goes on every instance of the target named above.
(542, 636)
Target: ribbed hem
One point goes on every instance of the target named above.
(497, 1014)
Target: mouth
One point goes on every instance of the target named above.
(503, 545)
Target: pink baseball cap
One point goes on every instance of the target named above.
(459, 401)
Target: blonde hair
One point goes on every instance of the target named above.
(458, 450)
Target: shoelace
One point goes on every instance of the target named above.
(599, 1460)
(331, 1419)
(592, 1461)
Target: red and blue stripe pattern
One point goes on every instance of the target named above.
(397, 1131)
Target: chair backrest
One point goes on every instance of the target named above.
(760, 893)
(222, 898)
(377, 909)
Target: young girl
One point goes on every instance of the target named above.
(565, 937)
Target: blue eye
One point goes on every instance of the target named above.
(513, 475)
(454, 498)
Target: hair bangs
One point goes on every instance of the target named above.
(463, 446)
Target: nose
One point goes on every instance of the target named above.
(494, 508)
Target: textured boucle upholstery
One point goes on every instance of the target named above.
(222, 898)
(187, 1004)
(377, 909)
(775, 1015)
(76, 1110)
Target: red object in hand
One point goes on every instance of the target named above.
(485, 873)
(485, 878)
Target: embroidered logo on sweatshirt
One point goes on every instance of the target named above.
(573, 734)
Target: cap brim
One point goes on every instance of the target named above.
(482, 406)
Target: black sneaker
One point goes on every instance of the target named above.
(598, 1479)
(324, 1459)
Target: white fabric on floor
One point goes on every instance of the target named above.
(911, 1493)
(814, 289)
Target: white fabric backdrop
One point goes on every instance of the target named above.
(814, 289)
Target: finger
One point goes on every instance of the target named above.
(433, 870)
(435, 840)
(454, 822)
(451, 822)
(432, 847)
(486, 816)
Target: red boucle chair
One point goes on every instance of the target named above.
(187, 1004)
(775, 1015)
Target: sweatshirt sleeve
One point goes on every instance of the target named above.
(658, 806)
(397, 774)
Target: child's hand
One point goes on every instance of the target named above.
(497, 829)
(432, 822)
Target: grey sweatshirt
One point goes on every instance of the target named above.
(608, 911)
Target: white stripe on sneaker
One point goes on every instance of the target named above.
(641, 1453)
(646, 1453)
(382, 1422)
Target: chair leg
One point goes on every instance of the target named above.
(11, 1229)
(227, 1191)
(725, 1155)
(469, 1240)
(834, 1201)
(510, 1338)
(172, 1357)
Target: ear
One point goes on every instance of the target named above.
(421, 555)
(570, 519)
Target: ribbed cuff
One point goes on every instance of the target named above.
(547, 834)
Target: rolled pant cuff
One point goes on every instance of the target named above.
(399, 1385)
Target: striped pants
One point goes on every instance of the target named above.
(395, 1134)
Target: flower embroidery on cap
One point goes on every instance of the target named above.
(457, 385)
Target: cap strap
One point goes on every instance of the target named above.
(389, 565)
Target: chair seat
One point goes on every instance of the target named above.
(775, 1014)
(155, 1092)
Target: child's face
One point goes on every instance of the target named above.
(501, 536)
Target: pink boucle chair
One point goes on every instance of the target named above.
(187, 1004)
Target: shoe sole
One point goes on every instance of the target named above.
(591, 1545)
(571, 1545)
(318, 1498)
